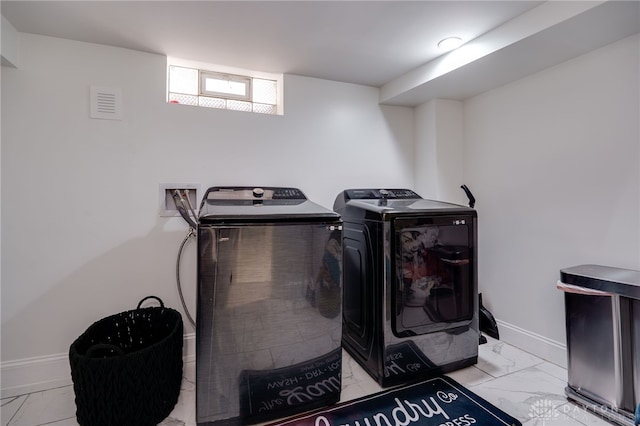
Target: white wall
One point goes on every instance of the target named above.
(81, 235)
(554, 160)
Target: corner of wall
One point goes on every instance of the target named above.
(438, 159)
(424, 150)
(8, 44)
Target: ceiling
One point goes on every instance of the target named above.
(375, 43)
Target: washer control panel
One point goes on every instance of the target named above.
(287, 194)
(231, 193)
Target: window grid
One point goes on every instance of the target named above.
(180, 98)
(187, 87)
(264, 109)
(205, 101)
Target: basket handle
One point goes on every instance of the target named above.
(151, 297)
(104, 346)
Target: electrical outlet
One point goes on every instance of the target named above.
(167, 202)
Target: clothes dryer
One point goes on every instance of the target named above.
(410, 306)
(269, 305)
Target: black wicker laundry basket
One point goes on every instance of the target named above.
(127, 368)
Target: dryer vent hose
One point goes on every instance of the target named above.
(472, 199)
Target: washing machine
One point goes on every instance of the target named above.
(269, 305)
(410, 295)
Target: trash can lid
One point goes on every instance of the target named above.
(623, 282)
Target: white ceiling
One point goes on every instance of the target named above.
(376, 43)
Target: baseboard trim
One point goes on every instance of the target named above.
(36, 374)
(23, 376)
(540, 346)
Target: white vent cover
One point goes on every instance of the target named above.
(106, 103)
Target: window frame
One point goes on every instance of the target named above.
(227, 73)
(247, 81)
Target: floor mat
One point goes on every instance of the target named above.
(440, 401)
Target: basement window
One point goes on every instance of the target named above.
(232, 89)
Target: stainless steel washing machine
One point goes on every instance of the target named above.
(410, 284)
(269, 305)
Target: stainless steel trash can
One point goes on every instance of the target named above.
(603, 339)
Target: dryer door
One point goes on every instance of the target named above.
(434, 283)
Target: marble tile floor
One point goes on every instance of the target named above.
(524, 386)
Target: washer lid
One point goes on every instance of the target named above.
(260, 204)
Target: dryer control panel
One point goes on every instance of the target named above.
(368, 194)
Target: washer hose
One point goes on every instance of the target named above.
(180, 206)
(184, 305)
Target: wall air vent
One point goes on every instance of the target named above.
(106, 103)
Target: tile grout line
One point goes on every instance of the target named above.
(19, 408)
(11, 399)
(38, 391)
(55, 421)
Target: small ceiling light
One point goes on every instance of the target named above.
(450, 43)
